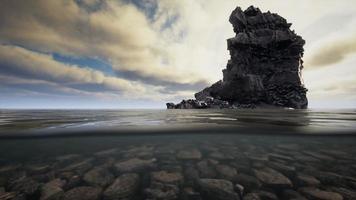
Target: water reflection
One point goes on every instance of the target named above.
(291, 121)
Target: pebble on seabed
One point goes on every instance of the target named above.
(185, 170)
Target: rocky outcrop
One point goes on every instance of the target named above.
(264, 68)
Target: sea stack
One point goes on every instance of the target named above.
(264, 69)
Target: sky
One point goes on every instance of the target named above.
(144, 53)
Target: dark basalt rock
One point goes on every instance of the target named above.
(264, 68)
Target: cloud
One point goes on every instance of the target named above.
(116, 32)
(21, 62)
(333, 84)
(169, 85)
(157, 49)
(332, 52)
(38, 73)
(33, 87)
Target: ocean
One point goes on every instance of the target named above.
(178, 154)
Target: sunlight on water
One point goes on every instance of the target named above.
(222, 118)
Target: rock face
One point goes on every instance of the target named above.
(264, 68)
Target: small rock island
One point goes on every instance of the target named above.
(264, 69)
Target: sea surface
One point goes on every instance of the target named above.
(178, 154)
(258, 121)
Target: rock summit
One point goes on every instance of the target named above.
(264, 69)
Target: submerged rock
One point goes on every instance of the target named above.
(25, 185)
(166, 177)
(346, 193)
(226, 172)
(272, 178)
(9, 169)
(37, 168)
(192, 154)
(67, 159)
(98, 177)
(80, 167)
(107, 153)
(158, 191)
(315, 193)
(267, 195)
(250, 183)
(135, 165)
(73, 180)
(264, 68)
(290, 194)
(83, 193)
(123, 187)
(52, 190)
(190, 194)
(306, 180)
(10, 195)
(217, 189)
(191, 176)
(286, 170)
(206, 169)
(252, 196)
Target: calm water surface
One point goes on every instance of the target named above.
(289, 121)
